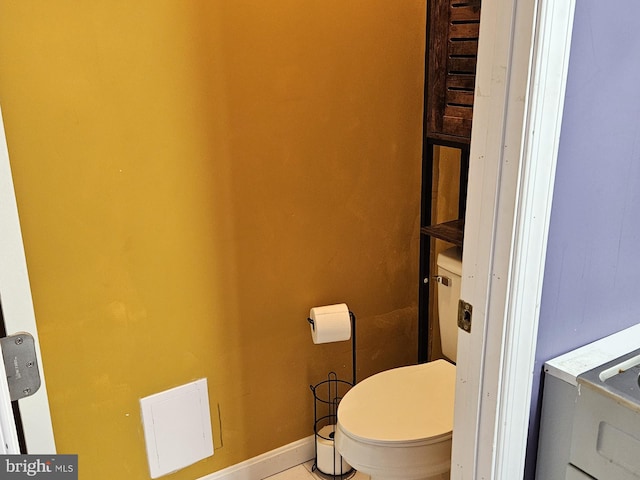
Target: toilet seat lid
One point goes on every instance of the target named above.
(403, 405)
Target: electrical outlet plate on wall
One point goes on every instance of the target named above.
(177, 427)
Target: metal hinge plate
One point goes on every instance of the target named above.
(21, 365)
(465, 311)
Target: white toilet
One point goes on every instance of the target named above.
(397, 424)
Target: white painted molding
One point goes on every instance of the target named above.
(522, 67)
(495, 150)
(552, 42)
(9, 443)
(269, 463)
(17, 306)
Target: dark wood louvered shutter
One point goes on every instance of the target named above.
(453, 46)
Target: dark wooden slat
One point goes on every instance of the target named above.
(463, 47)
(461, 65)
(456, 126)
(458, 97)
(458, 112)
(463, 3)
(465, 13)
(464, 30)
(467, 82)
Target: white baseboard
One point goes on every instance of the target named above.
(268, 463)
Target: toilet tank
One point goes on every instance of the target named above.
(449, 279)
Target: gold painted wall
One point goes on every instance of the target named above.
(193, 176)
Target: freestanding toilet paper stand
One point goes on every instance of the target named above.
(327, 395)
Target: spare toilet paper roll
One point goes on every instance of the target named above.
(327, 460)
(331, 323)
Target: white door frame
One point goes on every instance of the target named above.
(17, 308)
(523, 60)
(9, 443)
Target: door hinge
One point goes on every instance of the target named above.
(21, 365)
(464, 315)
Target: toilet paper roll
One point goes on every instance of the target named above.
(331, 323)
(327, 460)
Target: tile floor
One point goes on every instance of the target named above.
(303, 472)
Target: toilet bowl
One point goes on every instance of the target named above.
(397, 424)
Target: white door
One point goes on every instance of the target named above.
(18, 314)
(522, 67)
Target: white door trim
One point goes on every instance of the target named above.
(522, 68)
(17, 306)
(547, 88)
(9, 443)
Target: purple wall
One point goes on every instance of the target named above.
(592, 277)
